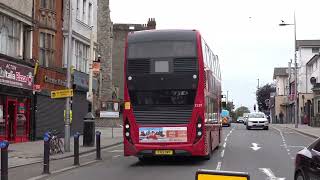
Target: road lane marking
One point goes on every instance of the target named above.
(222, 153)
(226, 139)
(293, 146)
(255, 147)
(116, 150)
(116, 156)
(224, 145)
(219, 166)
(270, 174)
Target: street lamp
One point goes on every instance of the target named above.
(296, 66)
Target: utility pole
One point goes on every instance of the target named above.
(296, 74)
(67, 121)
(227, 97)
(90, 93)
(258, 84)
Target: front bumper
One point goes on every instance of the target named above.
(258, 125)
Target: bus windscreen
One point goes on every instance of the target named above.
(158, 49)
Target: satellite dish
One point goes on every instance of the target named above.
(313, 80)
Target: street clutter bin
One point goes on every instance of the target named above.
(89, 130)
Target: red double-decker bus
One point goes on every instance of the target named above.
(172, 94)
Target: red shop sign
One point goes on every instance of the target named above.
(16, 75)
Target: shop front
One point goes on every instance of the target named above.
(49, 112)
(16, 87)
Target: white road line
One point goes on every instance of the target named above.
(270, 174)
(222, 153)
(226, 139)
(224, 145)
(219, 166)
(116, 156)
(293, 146)
(116, 150)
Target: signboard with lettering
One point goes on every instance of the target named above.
(62, 93)
(16, 75)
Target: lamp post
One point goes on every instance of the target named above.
(295, 68)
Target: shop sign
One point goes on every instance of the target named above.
(15, 75)
(54, 81)
(21, 108)
(109, 114)
(62, 93)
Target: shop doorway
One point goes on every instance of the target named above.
(11, 119)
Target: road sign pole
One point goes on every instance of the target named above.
(67, 122)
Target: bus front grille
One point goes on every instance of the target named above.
(163, 117)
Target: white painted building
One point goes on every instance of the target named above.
(280, 76)
(306, 50)
(84, 20)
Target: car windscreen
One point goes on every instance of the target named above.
(256, 115)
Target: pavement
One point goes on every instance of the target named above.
(264, 154)
(21, 154)
(303, 129)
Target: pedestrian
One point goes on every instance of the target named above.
(281, 117)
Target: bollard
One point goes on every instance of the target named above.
(98, 145)
(4, 159)
(76, 149)
(46, 153)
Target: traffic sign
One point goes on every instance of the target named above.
(62, 93)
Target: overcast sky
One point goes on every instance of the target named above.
(244, 33)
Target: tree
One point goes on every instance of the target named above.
(263, 94)
(240, 110)
(230, 106)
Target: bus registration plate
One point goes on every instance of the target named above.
(163, 152)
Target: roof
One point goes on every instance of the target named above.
(313, 59)
(280, 71)
(162, 35)
(307, 43)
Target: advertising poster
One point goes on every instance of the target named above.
(162, 134)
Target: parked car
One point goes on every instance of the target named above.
(257, 120)
(307, 166)
(240, 120)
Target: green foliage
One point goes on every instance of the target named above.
(262, 94)
(240, 110)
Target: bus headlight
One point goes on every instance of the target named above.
(127, 134)
(129, 78)
(199, 125)
(194, 76)
(127, 126)
(199, 133)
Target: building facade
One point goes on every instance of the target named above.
(279, 98)
(16, 70)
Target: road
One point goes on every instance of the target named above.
(263, 154)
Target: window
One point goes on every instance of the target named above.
(317, 146)
(47, 4)
(78, 9)
(43, 4)
(10, 33)
(84, 8)
(82, 57)
(90, 14)
(315, 50)
(47, 49)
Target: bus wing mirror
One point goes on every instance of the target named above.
(203, 174)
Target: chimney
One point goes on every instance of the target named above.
(151, 23)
